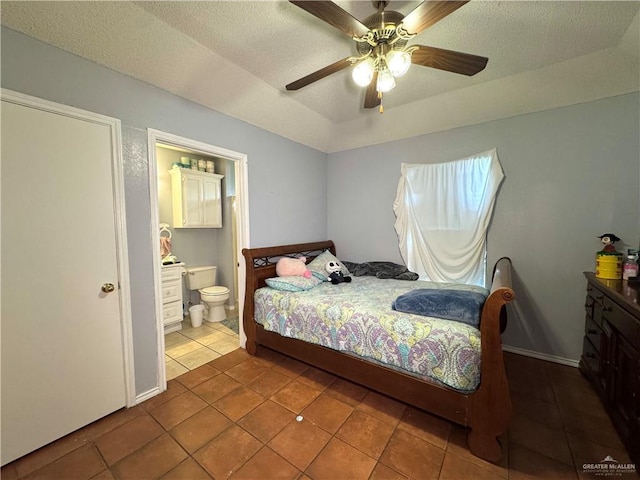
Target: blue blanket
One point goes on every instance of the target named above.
(459, 305)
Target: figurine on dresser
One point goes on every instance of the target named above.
(609, 260)
(608, 240)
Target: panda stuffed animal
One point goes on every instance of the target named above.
(336, 276)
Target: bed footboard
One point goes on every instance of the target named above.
(489, 407)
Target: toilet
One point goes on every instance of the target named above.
(203, 279)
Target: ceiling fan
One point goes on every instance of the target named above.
(381, 41)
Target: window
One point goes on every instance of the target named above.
(442, 214)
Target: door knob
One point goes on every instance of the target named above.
(108, 288)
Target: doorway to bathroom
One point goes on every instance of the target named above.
(199, 218)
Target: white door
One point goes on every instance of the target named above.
(63, 364)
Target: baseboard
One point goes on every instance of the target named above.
(147, 395)
(541, 356)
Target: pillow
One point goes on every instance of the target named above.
(458, 305)
(292, 283)
(317, 266)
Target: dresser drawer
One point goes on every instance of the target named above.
(595, 293)
(593, 304)
(171, 274)
(172, 312)
(590, 356)
(171, 292)
(622, 321)
(593, 332)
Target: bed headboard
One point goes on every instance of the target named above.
(261, 264)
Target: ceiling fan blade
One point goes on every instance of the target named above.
(320, 74)
(428, 13)
(449, 60)
(371, 99)
(334, 16)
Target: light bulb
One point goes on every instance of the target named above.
(363, 72)
(398, 62)
(386, 81)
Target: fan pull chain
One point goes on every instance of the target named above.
(381, 109)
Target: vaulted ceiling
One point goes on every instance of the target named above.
(236, 57)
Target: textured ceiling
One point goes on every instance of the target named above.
(236, 57)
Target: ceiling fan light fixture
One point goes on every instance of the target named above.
(398, 62)
(386, 82)
(363, 72)
(381, 43)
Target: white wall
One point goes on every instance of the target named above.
(287, 181)
(571, 174)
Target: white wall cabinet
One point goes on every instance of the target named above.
(172, 297)
(196, 196)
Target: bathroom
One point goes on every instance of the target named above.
(191, 344)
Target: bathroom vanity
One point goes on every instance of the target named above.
(172, 297)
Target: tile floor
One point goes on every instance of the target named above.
(235, 417)
(190, 347)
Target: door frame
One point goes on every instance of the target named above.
(122, 251)
(242, 222)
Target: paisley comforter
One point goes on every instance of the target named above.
(356, 318)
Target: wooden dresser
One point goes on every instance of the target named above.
(611, 353)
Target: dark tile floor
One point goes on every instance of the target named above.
(235, 417)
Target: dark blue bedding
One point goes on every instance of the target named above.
(458, 305)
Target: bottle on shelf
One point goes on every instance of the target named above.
(630, 267)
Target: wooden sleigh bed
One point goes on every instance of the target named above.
(486, 411)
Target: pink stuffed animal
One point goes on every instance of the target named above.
(292, 266)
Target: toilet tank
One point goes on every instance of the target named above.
(200, 277)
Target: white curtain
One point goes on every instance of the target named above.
(443, 211)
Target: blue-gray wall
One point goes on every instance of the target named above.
(572, 174)
(287, 181)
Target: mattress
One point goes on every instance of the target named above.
(356, 318)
